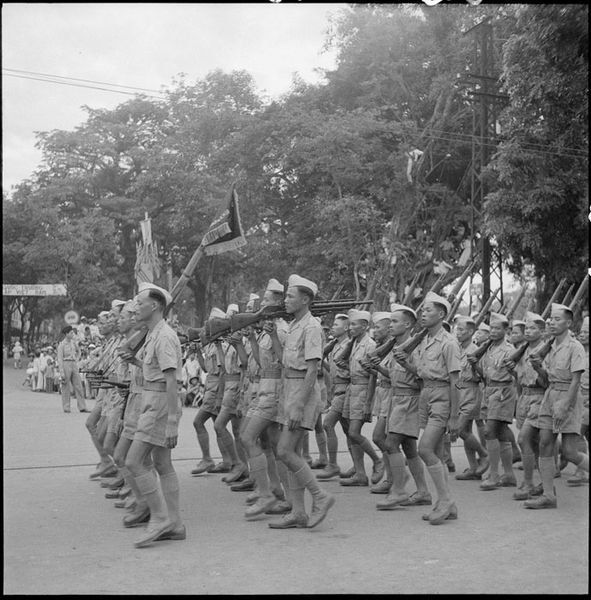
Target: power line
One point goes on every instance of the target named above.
(130, 87)
(92, 87)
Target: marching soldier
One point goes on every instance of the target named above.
(498, 405)
(561, 409)
(358, 401)
(299, 403)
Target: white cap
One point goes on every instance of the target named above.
(437, 299)
(217, 313)
(530, 316)
(341, 316)
(560, 307)
(130, 306)
(498, 318)
(232, 309)
(466, 320)
(296, 280)
(103, 314)
(401, 307)
(380, 316)
(252, 300)
(359, 315)
(275, 286)
(585, 322)
(517, 322)
(483, 327)
(144, 286)
(117, 303)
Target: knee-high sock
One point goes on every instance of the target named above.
(494, 456)
(506, 452)
(203, 439)
(306, 446)
(272, 473)
(387, 466)
(169, 482)
(150, 489)
(584, 464)
(582, 445)
(332, 444)
(396, 461)
(547, 470)
(322, 443)
(366, 446)
(297, 494)
(415, 466)
(437, 473)
(283, 473)
(130, 481)
(227, 448)
(446, 449)
(306, 479)
(528, 460)
(258, 472)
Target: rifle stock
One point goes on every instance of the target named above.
(581, 291)
(484, 310)
(566, 300)
(514, 305)
(519, 352)
(481, 350)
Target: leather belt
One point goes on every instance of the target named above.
(495, 384)
(435, 383)
(467, 384)
(342, 380)
(406, 392)
(254, 378)
(294, 373)
(211, 376)
(232, 377)
(384, 384)
(561, 386)
(530, 390)
(154, 386)
(270, 374)
(359, 380)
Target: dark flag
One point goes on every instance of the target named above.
(225, 233)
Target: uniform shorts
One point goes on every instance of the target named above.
(151, 425)
(572, 423)
(115, 415)
(522, 410)
(267, 402)
(500, 403)
(213, 388)
(288, 398)
(404, 415)
(231, 396)
(434, 407)
(469, 404)
(356, 404)
(380, 398)
(337, 403)
(249, 398)
(532, 418)
(584, 399)
(132, 414)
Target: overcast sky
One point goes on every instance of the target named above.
(142, 45)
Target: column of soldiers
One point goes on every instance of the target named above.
(266, 382)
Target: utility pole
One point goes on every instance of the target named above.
(483, 82)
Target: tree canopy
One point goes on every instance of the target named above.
(324, 174)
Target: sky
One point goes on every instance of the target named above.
(142, 45)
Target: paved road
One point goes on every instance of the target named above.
(61, 536)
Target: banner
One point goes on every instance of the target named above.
(35, 289)
(147, 263)
(225, 233)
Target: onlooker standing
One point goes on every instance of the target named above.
(17, 350)
(68, 355)
(49, 371)
(30, 371)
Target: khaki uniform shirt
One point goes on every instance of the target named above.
(401, 377)
(266, 354)
(361, 348)
(564, 360)
(527, 376)
(210, 358)
(492, 363)
(162, 351)
(438, 356)
(231, 359)
(584, 387)
(467, 373)
(303, 342)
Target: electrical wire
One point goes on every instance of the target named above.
(130, 87)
